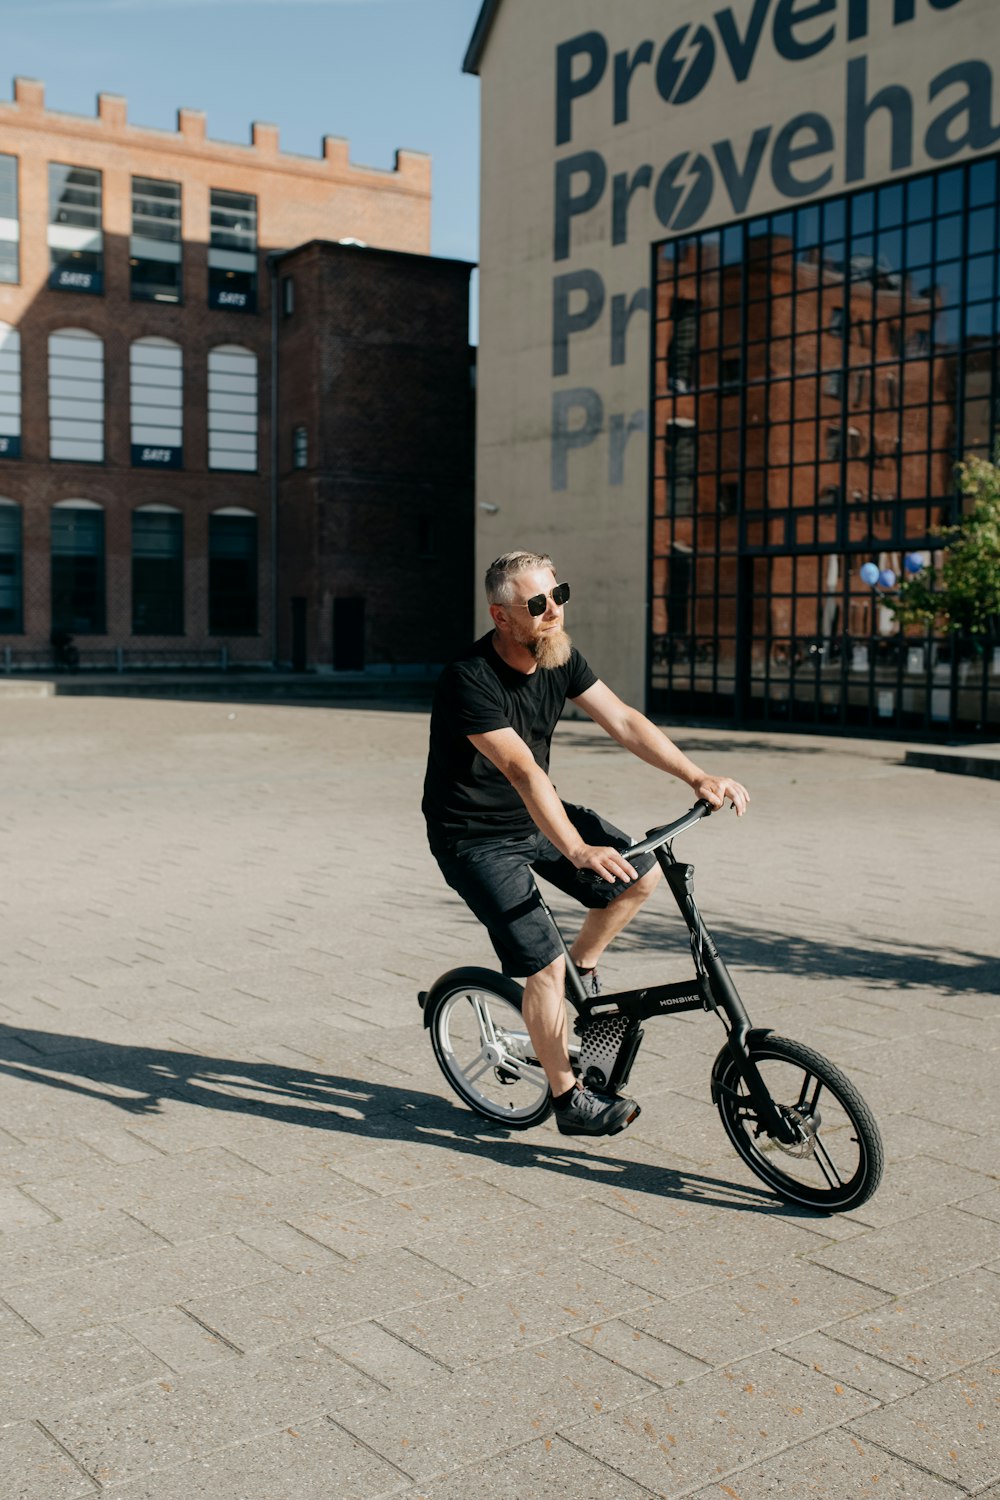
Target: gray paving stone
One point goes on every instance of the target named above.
(37, 1469)
(917, 1184)
(409, 1219)
(170, 1421)
(388, 1360)
(98, 1294)
(721, 1423)
(57, 1247)
(756, 1312)
(133, 832)
(915, 1252)
(983, 1205)
(949, 1428)
(290, 1306)
(537, 1471)
(139, 1184)
(175, 1338)
(529, 1239)
(469, 1327)
(680, 1259)
(18, 1210)
(934, 1332)
(429, 1431)
(833, 1466)
(46, 1375)
(827, 1355)
(652, 1358)
(305, 1459)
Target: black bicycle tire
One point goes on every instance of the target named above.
(865, 1180)
(504, 989)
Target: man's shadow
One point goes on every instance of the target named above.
(326, 1101)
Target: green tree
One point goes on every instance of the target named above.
(964, 593)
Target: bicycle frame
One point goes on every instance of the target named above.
(712, 987)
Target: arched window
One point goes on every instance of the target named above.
(157, 570)
(232, 408)
(78, 567)
(157, 401)
(10, 392)
(76, 396)
(11, 564)
(232, 572)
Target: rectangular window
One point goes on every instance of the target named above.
(155, 245)
(157, 573)
(232, 575)
(681, 458)
(287, 296)
(76, 239)
(683, 344)
(232, 251)
(78, 570)
(300, 448)
(10, 224)
(10, 569)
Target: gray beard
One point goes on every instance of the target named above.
(551, 650)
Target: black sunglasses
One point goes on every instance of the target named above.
(536, 604)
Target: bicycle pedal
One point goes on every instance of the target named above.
(625, 1123)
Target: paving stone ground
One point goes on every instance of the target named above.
(253, 1248)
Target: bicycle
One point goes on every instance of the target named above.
(797, 1122)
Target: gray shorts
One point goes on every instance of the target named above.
(494, 878)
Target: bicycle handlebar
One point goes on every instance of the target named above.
(657, 836)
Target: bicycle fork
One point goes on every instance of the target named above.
(719, 993)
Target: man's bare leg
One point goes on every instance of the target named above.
(544, 1011)
(606, 922)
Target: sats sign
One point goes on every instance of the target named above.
(797, 157)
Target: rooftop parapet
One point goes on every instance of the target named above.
(410, 168)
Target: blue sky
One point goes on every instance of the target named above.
(384, 73)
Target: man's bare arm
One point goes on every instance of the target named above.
(511, 756)
(639, 735)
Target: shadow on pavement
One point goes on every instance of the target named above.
(305, 1097)
(881, 964)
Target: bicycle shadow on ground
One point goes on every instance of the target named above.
(137, 1080)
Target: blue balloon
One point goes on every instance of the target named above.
(869, 573)
(887, 578)
(913, 562)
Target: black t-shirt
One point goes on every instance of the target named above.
(465, 796)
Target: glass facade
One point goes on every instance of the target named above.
(818, 374)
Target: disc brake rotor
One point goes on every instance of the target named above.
(806, 1144)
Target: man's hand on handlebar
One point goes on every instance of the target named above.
(604, 862)
(717, 790)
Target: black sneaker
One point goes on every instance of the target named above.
(588, 1113)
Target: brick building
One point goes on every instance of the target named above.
(137, 490)
(375, 456)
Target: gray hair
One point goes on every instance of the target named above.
(507, 566)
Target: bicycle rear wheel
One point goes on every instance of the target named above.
(483, 1048)
(836, 1161)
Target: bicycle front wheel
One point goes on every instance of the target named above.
(483, 1048)
(835, 1162)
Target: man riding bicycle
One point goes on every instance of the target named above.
(494, 816)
